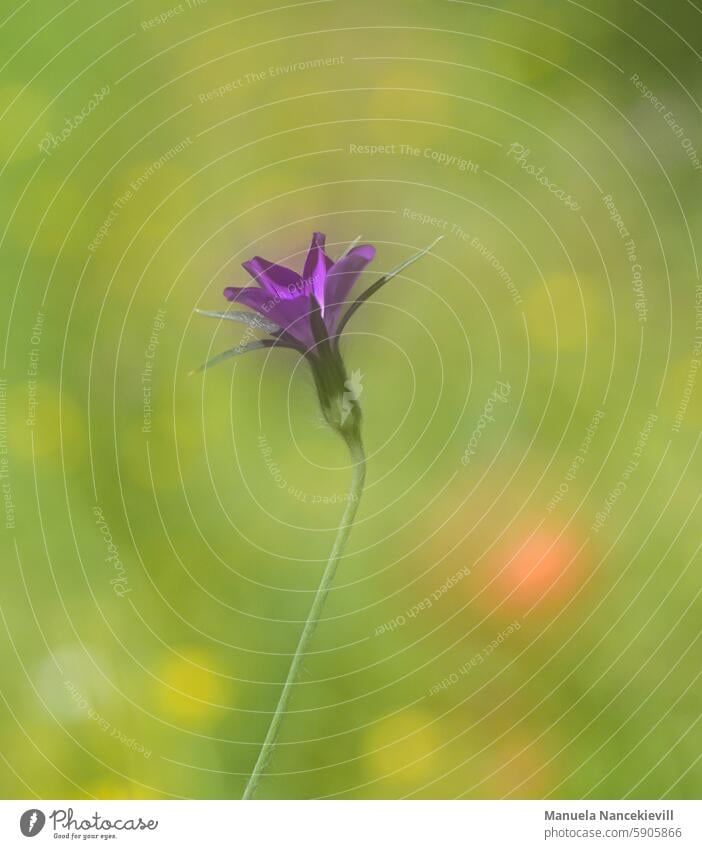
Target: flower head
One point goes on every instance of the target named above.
(289, 299)
(307, 312)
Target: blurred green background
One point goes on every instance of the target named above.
(488, 636)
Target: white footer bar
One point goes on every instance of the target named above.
(353, 824)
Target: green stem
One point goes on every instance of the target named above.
(342, 535)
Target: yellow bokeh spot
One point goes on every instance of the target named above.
(27, 104)
(112, 788)
(556, 316)
(403, 748)
(189, 687)
(46, 424)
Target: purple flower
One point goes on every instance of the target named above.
(306, 313)
(289, 300)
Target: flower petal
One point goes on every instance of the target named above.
(292, 316)
(341, 279)
(317, 264)
(250, 296)
(277, 280)
(317, 248)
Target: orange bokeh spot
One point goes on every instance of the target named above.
(541, 566)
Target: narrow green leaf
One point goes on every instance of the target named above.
(352, 245)
(386, 278)
(251, 319)
(241, 349)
